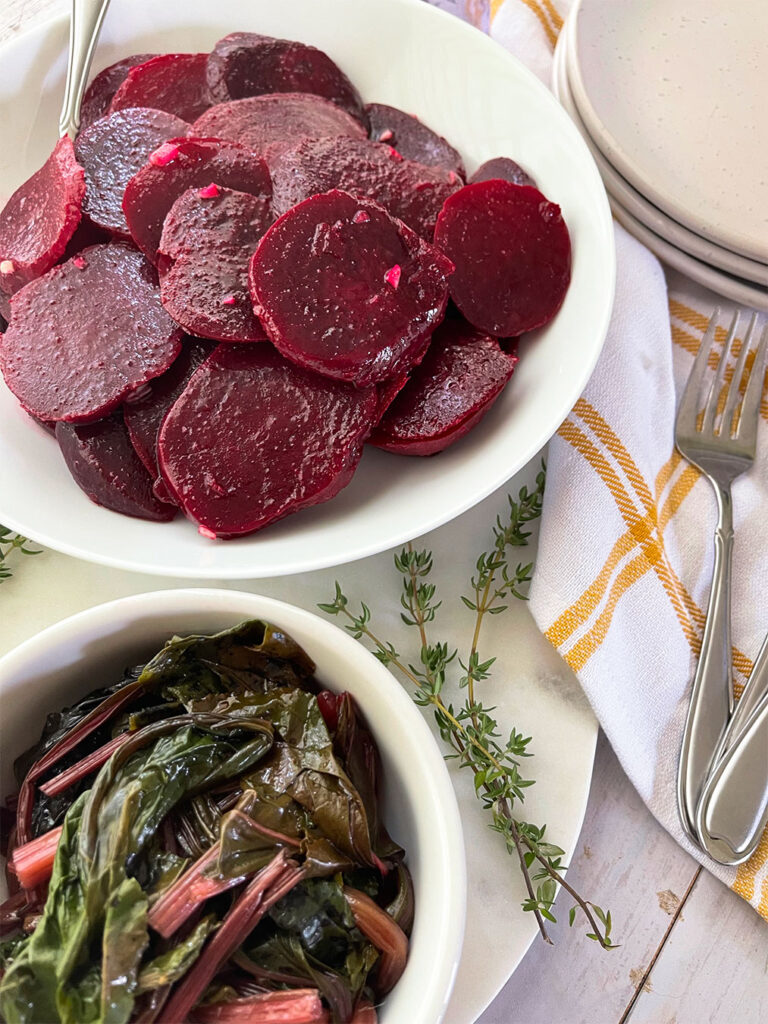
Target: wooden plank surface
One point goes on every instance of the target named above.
(691, 951)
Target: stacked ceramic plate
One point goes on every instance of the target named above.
(670, 96)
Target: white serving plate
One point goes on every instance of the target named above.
(673, 92)
(740, 290)
(702, 249)
(466, 86)
(419, 806)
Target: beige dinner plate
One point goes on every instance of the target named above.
(673, 92)
(636, 204)
(661, 244)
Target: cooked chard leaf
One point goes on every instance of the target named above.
(168, 967)
(228, 759)
(252, 656)
(316, 912)
(304, 766)
(35, 986)
(10, 949)
(105, 833)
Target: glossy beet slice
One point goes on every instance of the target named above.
(461, 376)
(205, 250)
(412, 138)
(512, 254)
(174, 82)
(412, 192)
(504, 168)
(254, 438)
(111, 151)
(144, 416)
(103, 463)
(344, 289)
(246, 64)
(99, 93)
(40, 218)
(182, 164)
(271, 123)
(87, 334)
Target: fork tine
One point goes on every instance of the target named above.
(734, 391)
(713, 399)
(746, 429)
(688, 411)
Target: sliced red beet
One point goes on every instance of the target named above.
(412, 192)
(412, 138)
(254, 438)
(388, 392)
(182, 164)
(205, 250)
(271, 123)
(111, 151)
(144, 416)
(504, 168)
(102, 462)
(174, 82)
(512, 254)
(344, 289)
(461, 376)
(246, 64)
(87, 334)
(99, 93)
(86, 234)
(40, 218)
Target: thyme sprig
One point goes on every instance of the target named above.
(467, 726)
(10, 542)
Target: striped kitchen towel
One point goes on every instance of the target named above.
(625, 550)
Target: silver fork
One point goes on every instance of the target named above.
(722, 450)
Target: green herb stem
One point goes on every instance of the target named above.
(470, 729)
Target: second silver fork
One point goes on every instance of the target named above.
(722, 447)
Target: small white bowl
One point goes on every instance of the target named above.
(92, 648)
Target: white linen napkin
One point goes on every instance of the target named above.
(626, 549)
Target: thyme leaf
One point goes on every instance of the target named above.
(11, 541)
(465, 724)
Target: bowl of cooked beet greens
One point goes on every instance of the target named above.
(220, 808)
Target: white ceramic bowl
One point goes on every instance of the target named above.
(92, 648)
(463, 84)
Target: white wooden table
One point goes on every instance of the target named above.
(691, 951)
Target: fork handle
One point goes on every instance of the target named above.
(712, 692)
(84, 27)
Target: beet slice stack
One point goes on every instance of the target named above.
(282, 440)
(103, 463)
(344, 289)
(87, 334)
(111, 151)
(40, 218)
(410, 191)
(512, 254)
(247, 64)
(173, 82)
(144, 416)
(99, 93)
(271, 123)
(207, 242)
(412, 138)
(462, 375)
(504, 168)
(180, 164)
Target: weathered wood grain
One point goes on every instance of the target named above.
(625, 862)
